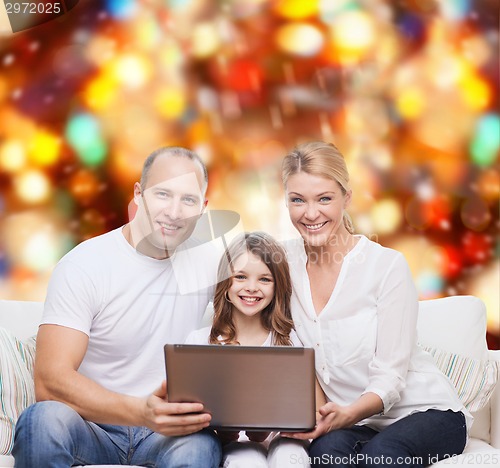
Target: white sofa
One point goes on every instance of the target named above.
(454, 325)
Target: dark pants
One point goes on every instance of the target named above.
(415, 441)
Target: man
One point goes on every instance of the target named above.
(111, 305)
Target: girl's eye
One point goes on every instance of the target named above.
(266, 280)
(239, 277)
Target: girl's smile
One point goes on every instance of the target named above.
(252, 286)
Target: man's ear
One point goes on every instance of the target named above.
(204, 207)
(137, 193)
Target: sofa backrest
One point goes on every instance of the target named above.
(21, 317)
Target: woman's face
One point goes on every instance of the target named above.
(316, 207)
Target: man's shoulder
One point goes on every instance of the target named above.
(92, 249)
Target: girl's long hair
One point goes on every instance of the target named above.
(276, 317)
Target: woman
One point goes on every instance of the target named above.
(354, 302)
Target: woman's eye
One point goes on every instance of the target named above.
(296, 200)
(325, 199)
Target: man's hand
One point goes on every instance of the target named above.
(331, 416)
(173, 419)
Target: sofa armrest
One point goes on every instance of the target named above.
(495, 406)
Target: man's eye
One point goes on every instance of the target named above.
(190, 200)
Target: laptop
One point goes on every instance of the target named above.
(253, 388)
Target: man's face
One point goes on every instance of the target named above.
(170, 205)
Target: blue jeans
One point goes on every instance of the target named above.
(50, 434)
(415, 441)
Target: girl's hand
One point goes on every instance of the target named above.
(257, 436)
(331, 416)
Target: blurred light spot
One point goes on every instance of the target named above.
(171, 102)
(410, 102)
(329, 9)
(100, 49)
(134, 71)
(454, 10)
(12, 156)
(477, 248)
(296, 9)
(475, 92)
(300, 39)
(32, 186)
(429, 284)
(485, 286)
(122, 9)
(35, 240)
(486, 142)
(101, 92)
(386, 216)
(489, 184)
(352, 35)
(44, 148)
(84, 186)
(84, 135)
(475, 214)
(205, 40)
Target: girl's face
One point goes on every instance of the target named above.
(252, 286)
(316, 207)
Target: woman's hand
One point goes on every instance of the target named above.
(329, 417)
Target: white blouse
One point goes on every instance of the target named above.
(365, 336)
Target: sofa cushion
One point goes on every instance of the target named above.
(17, 390)
(474, 379)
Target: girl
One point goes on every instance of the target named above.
(252, 308)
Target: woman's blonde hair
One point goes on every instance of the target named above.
(277, 316)
(319, 159)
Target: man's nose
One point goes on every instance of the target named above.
(173, 209)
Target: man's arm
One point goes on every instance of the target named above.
(59, 353)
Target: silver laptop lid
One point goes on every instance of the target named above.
(245, 387)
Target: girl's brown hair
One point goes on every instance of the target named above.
(276, 317)
(319, 159)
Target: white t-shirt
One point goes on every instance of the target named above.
(202, 336)
(130, 306)
(365, 337)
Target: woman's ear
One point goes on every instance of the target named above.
(347, 199)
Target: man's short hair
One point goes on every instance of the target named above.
(176, 151)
